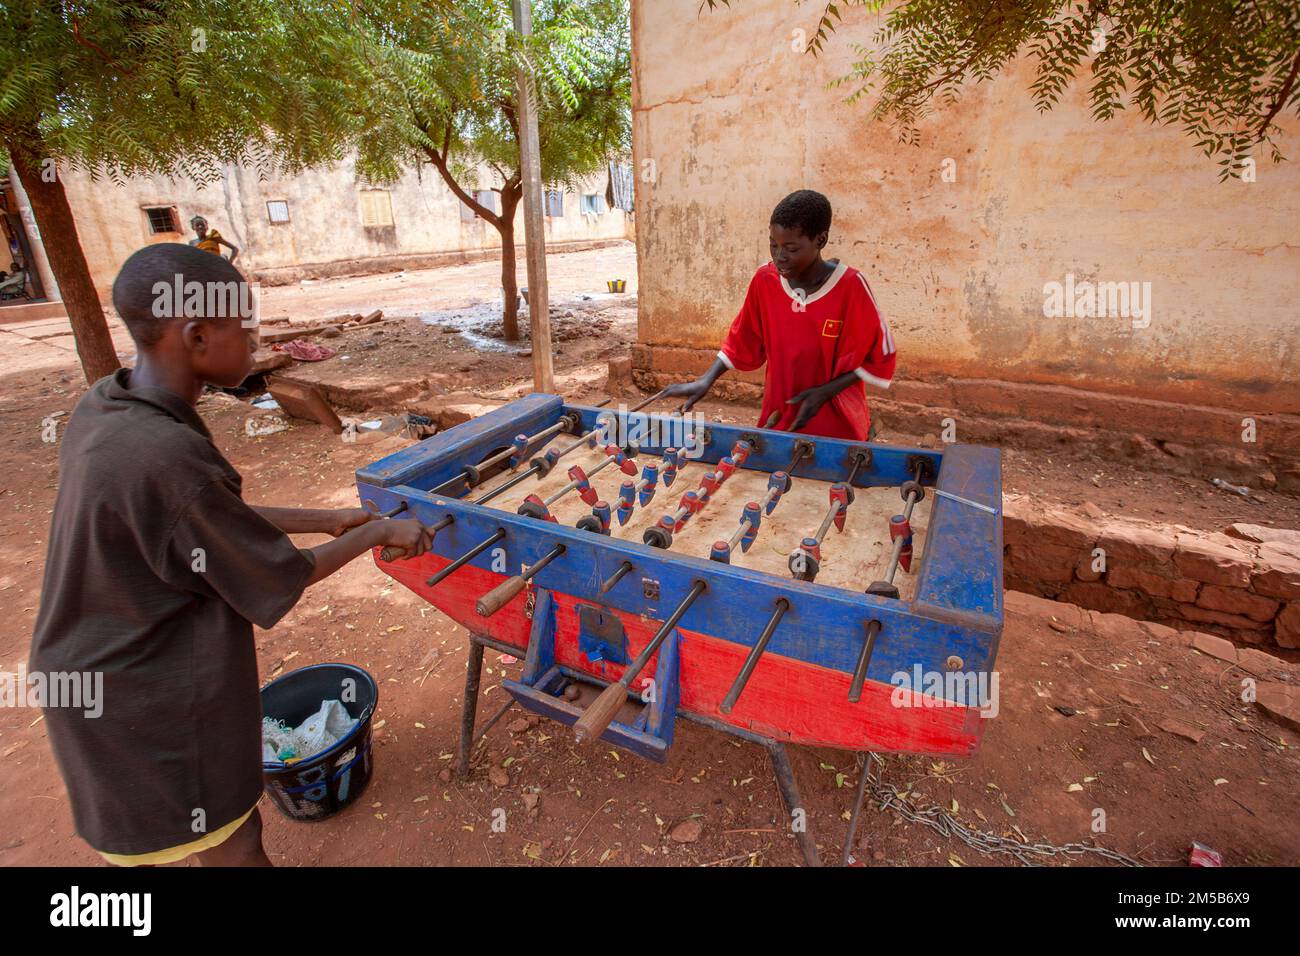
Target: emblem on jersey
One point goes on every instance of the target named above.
(831, 328)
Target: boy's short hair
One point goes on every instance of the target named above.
(806, 210)
(151, 289)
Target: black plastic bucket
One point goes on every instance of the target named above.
(325, 783)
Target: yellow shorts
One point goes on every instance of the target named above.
(174, 853)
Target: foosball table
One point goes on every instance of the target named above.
(779, 587)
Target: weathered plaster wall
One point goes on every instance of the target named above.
(732, 119)
(325, 219)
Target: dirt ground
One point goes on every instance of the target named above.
(1083, 704)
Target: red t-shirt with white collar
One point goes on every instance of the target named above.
(807, 340)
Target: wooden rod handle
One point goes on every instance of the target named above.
(500, 595)
(597, 717)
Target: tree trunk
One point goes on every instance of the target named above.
(68, 263)
(509, 267)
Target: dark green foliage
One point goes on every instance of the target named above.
(185, 86)
(449, 95)
(175, 86)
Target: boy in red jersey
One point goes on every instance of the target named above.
(816, 325)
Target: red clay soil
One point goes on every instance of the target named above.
(1082, 724)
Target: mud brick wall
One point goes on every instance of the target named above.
(1246, 590)
(1196, 440)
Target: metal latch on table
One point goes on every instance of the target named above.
(600, 635)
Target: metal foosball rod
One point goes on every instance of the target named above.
(858, 458)
(751, 516)
(598, 521)
(539, 466)
(596, 718)
(471, 475)
(465, 558)
(488, 542)
(624, 568)
(591, 434)
(644, 489)
(534, 506)
(661, 534)
(755, 652)
(805, 560)
(900, 530)
(500, 595)
(542, 464)
(447, 520)
(388, 552)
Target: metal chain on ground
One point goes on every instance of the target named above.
(943, 823)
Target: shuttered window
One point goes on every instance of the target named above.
(376, 208)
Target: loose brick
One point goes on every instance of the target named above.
(1031, 605)
(1124, 541)
(1278, 572)
(1259, 663)
(1102, 597)
(1215, 646)
(1180, 729)
(1114, 627)
(1287, 633)
(1207, 558)
(1165, 634)
(1259, 533)
(1281, 702)
(1237, 601)
(1193, 613)
(1176, 589)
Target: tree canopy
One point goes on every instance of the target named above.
(450, 88)
(175, 86)
(124, 87)
(447, 95)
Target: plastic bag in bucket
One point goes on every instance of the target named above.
(324, 783)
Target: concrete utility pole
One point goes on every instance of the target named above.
(530, 168)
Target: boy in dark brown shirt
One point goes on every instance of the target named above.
(157, 571)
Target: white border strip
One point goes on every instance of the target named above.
(870, 379)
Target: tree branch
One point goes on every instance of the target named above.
(1280, 102)
(95, 47)
(439, 160)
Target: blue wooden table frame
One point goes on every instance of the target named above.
(955, 615)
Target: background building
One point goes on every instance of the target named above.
(728, 123)
(320, 222)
